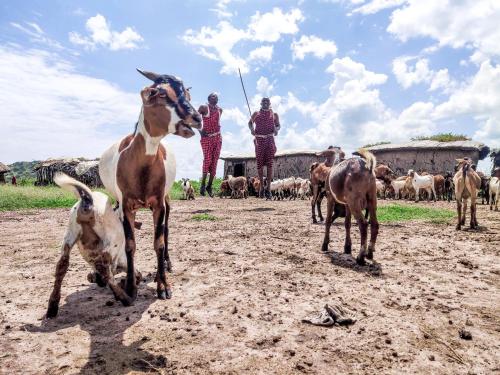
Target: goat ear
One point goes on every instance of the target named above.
(148, 93)
(459, 160)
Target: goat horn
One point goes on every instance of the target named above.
(150, 75)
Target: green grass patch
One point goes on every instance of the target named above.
(376, 144)
(442, 137)
(29, 197)
(176, 191)
(397, 212)
(204, 217)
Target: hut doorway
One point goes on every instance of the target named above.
(239, 169)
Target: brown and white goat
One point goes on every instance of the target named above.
(467, 183)
(352, 183)
(139, 171)
(494, 189)
(98, 232)
(318, 173)
(238, 186)
(187, 189)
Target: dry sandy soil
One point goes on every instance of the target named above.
(243, 283)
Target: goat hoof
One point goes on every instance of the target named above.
(52, 310)
(127, 301)
(168, 266)
(458, 227)
(347, 249)
(324, 247)
(164, 294)
(131, 291)
(138, 278)
(360, 260)
(369, 255)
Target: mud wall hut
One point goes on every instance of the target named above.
(3, 170)
(430, 156)
(286, 163)
(86, 171)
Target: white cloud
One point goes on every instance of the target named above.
(36, 34)
(218, 43)
(269, 27)
(408, 75)
(51, 110)
(221, 9)
(478, 97)
(261, 54)
(376, 6)
(318, 47)
(347, 70)
(102, 35)
(264, 87)
(467, 23)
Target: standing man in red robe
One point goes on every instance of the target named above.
(267, 125)
(211, 141)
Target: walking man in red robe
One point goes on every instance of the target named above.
(211, 141)
(267, 125)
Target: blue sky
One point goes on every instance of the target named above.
(344, 72)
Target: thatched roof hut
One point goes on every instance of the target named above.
(86, 171)
(431, 156)
(287, 163)
(3, 170)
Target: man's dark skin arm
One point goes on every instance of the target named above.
(277, 124)
(250, 123)
(203, 110)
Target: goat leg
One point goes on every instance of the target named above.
(328, 224)
(347, 226)
(130, 245)
(61, 269)
(163, 290)
(168, 262)
(459, 215)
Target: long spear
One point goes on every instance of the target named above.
(244, 92)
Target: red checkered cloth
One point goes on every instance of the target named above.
(212, 143)
(211, 151)
(265, 148)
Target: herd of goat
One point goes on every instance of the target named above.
(413, 186)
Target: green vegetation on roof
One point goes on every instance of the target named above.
(442, 137)
(376, 144)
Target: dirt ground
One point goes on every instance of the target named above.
(241, 286)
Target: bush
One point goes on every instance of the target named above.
(376, 144)
(442, 137)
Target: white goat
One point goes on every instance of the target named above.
(305, 189)
(98, 232)
(422, 182)
(277, 189)
(187, 189)
(289, 187)
(494, 191)
(398, 186)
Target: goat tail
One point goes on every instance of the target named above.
(79, 189)
(370, 159)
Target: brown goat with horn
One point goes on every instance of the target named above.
(352, 183)
(467, 183)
